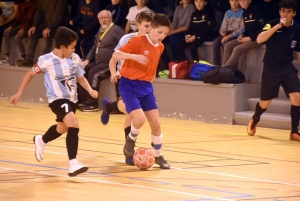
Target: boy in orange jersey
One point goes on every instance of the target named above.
(136, 88)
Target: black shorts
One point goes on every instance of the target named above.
(61, 107)
(271, 81)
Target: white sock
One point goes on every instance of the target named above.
(157, 144)
(134, 132)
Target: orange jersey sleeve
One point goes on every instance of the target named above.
(141, 45)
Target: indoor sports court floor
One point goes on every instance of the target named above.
(208, 161)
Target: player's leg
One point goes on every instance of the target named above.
(291, 87)
(65, 111)
(138, 120)
(269, 90)
(108, 107)
(40, 141)
(55, 131)
(149, 106)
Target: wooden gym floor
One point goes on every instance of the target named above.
(208, 161)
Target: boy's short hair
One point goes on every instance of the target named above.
(64, 36)
(146, 16)
(289, 4)
(160, 20)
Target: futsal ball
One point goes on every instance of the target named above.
(143, 158)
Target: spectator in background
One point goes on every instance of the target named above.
(253, 26)
(202, 21)
(9, 13)
(180, 24)
(118, 12)
(269, 9)
(231, 28)
(50, 14)
(106, 40)
(133, 11)
(88, 25)
(19, 28)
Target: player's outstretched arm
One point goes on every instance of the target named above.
(84, 83)
(118, 55)
(27, 78)
(265, 35)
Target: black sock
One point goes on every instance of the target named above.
(127, 131)
(51, 134)
(295, 117)
(72, 142)
(258, 112)
(112, 107)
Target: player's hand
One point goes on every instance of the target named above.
(141, 59)
(114, 78)
(46, 33)
(71, 22)
(94, 94)
(31, 30)
(15, 98)
(283, 21)
(82, 31)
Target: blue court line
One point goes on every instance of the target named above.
(236, 195)
(91, 173)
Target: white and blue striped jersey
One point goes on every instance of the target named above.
(122, 42)
(60, 75)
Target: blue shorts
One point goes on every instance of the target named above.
(137, 94)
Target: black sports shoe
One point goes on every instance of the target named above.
(128, 150)
(163, 164)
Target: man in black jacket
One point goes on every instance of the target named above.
(50, 14)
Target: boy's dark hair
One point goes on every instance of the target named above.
(289, 4)
(64, 36)
(146, 15)
(160, 20)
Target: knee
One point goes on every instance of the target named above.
(139, 122)
(156, 125)
(295, 99)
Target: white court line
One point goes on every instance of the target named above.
(120, 184)
(182, 169)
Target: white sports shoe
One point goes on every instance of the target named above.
(77, 168)
(39, 147)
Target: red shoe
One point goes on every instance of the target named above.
(295, 137)
(250, 131)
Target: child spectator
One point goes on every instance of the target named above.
(253, 26)
(118, 12)
(180, 24)
(88, 25)
(8, 14)
(232, 27)
(133, 11)
(19, 28)
(199, 29)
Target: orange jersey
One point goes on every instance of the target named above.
(141, 45)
